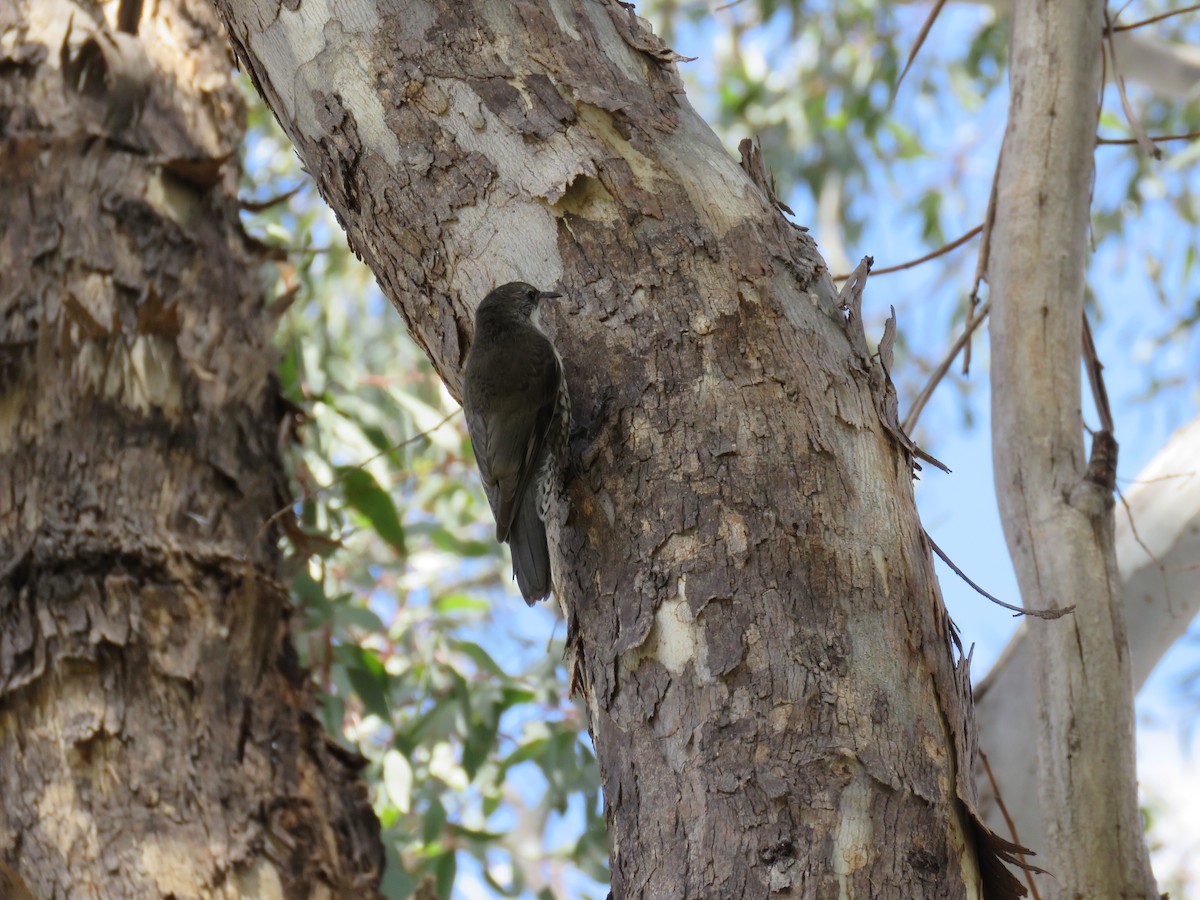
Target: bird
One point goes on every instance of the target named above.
(518, 413)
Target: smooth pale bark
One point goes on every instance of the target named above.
(1057, 508)
(753, 617)
(1161, 590)
(156, 736)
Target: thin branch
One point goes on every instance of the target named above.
(1135, 125)
(257, 206)
(924, 33)
(1095, 374)
(940, 251)
(1053, 613)
(1158, 563)
(910, 421)
(1012, 826)
(1157, 478)
(985, 255)
(320, 489)
(1153, 19)
(1190, 136)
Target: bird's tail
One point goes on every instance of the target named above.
(530, 551)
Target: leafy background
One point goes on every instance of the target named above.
(427, 662)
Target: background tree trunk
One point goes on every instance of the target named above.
(1157, 544)
(1056, 505)
(756, 627)
(155, 728)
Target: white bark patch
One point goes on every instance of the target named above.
(142, 378)
(172, 200)
(852, 845)
(600, 126)
(62, 820)
(261, 882)
(313, 44)
(678, 548)
(543, 172)
(172, 866)
(564, 16)
(736, 534)
(502, 242)
(673, 636)
(718, 188)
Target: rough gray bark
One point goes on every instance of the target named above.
(754, 619)
(155, 729)
(1055, 504)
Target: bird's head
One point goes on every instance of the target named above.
(515, 298)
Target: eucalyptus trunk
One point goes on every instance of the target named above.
(156, 736)
(1056, 503)
(753, 617)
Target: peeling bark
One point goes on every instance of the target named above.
(156, 736)
(754, 619)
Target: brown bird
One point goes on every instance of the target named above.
(518, 413)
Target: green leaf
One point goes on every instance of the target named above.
(446, 868)
(511, 696)
(452, 603)
(433, 822)
(448, 542)
(396, 884)
(480, 657)
(472, 834)
(350, 614)
(481, 738)
(436, 722)
(364, 494)
(311, 596)
(367, 676)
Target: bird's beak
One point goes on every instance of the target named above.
(548, 295)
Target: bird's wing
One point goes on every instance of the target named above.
(516, 456)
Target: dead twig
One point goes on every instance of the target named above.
(924, 33)
(1138, 132)
(940, 251)
(1162, 138)
(257, 206)
(1095, 374)
(1055, 613)
(985, 255)
(910, 421)
(1150, 21)
(1012, 826)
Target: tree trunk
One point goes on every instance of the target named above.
(1055, 504)
(1157, 544)
(157, 738)
(754, 619)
